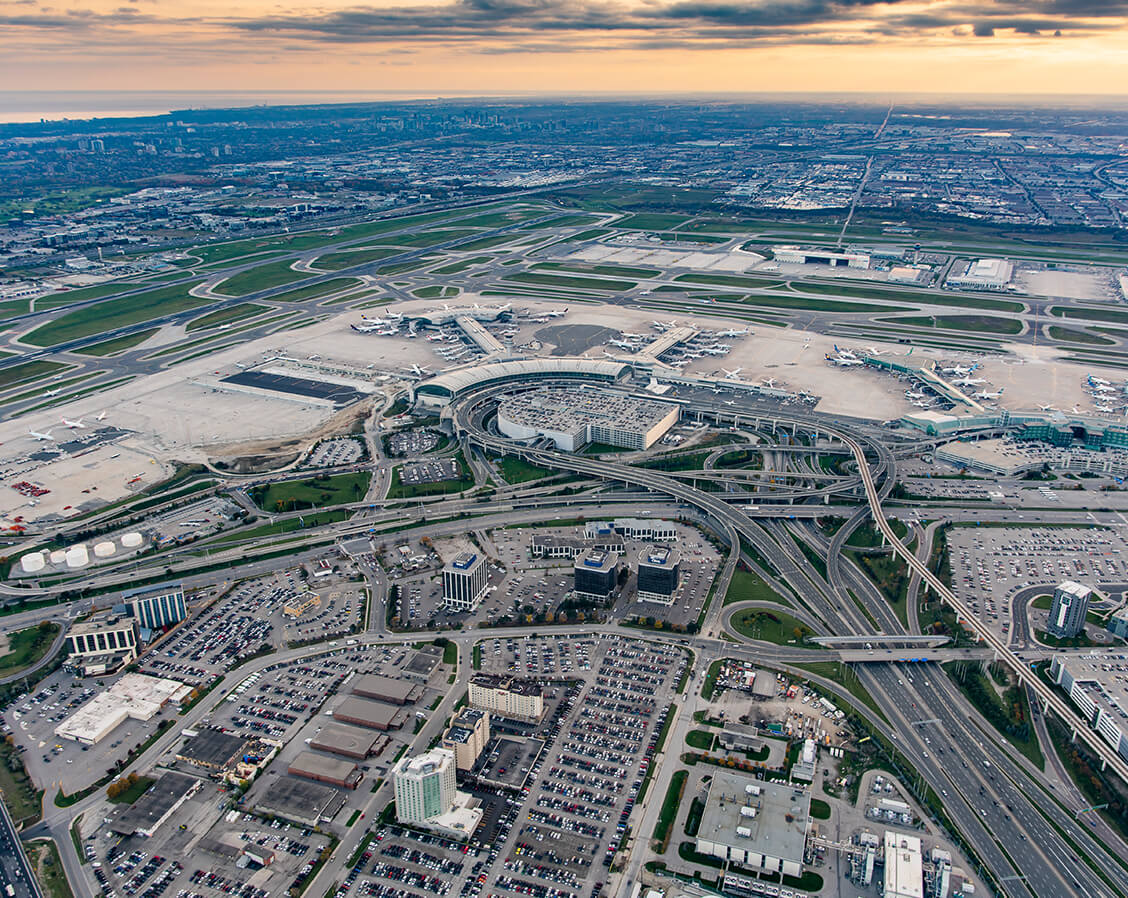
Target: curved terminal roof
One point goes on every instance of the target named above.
(454, 383)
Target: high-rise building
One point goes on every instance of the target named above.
(1068, 610)
(102, 643)
(465, 580)
(658, 568)
(594, 575)
(467, 737)
(425, 786)
(507, 696)
(156, 606)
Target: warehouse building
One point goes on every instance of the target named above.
(160, 801)
(102, 644)
(572, 418)
(349, 741)
(1097, 684)
(158, 606)
(301, 801)
(594, 575)
(658, 571)
(756, 825)
(904, 866)
(507, 696)
(1068, 610)
(213, 750)
(794, 255)
(321, 769)
(133, 697)
(365, 713)
(466, 578)
(982, 274)
(386, 689)
(467, 737)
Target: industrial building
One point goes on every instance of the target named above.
(795, 255)
(299, 605)
(386, 689)
(1068, 610)
(370, 714)
(904, 866)
(158, 606)
(349, 741)
(982, 274)
(507, 696)
(467, 736)
(594, 575)
(321, 769)
(427, 795)
(301, 801)
(658, 570)
(160, 801)
(754, 824)
(134, 696)
(103, 643)
(213, 750)
(1097, 684)
(466, 577)
(804, 768)
(572, 418)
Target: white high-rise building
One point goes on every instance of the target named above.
(425, 786)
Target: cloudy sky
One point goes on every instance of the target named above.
(653, 46)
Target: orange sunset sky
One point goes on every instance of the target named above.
(522, 46)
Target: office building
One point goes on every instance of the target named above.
(156, 607)
(507, 696)
(594, 575)
(1068, 610)
(1097, 684)
(427, 795)
(572, 418)
(102, 643)
(465, 580)
(904, 866)
(658, 569)
(755, 825)
(1118, 623)
(467, 737)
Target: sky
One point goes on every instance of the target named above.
(562, 46)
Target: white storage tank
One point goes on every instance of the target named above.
(58, 556)
(104, 550)
(131, 540)
(33, 562)
(77, 556)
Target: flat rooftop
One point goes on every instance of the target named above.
(385, 688)
(517, 685)
(310, 763)
(1103, 675)
(213, 748)
(365, 712)
(779, 826)
(160, 798)
(340, 738)
(570, 410)
(659, 557)
(301, 799)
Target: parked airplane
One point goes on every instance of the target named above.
(987, 394)
(768, 382)
(100, 417)
(735, 332)
(731, 375)
(41, 436)
(1098, 380)
(845, 361)
(969, 381)
(845, 353)
(959, 370)
(915, 395)
(74, 425)
(551, 313)
(418, 371)
(1046, 408)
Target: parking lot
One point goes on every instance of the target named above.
(193, 521)
(430, 471)
(339, 451)
(990, 564)
(412, 442)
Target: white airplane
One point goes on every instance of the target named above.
(845, 353)
(1107, 409)
(843, 361)
(923, 403)
(987, 394)
(730, 402)
(100, 417)
(731, 375)
(1102, 388)
(551, 313)
(74, 425)
(1046, 408)
(418, 371)
(1094, 381)
(41, 436)
(915, 395)
(768, 382)
(735, 332)
(634, 336)
(54, 392)
(622, 344)
(959, 370)
(969, 381)
(377, 325)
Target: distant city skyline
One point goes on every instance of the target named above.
(498, 46)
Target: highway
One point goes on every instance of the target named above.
(15, 869)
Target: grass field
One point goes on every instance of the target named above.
(401, 490)
(1069, 335)
(621, 271)
(974, 302)
(729, 280)
(431, 238)
(313, 492)
(456, 267)
(118, 344)
(24, 801)
(816, 305)
(58, 202)
(747, 587)
(579, 283)
(115, 313)
(517, 470)
(27, 647)
(82, 293)
(226, 316)
(652, 221)
(981, 324)
(1084, 313)
(337, 261)
(134, 791)
(49, 869)
(28, 371)
(262, 277)
(325, 288)
(770, 626)
(435, 291)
